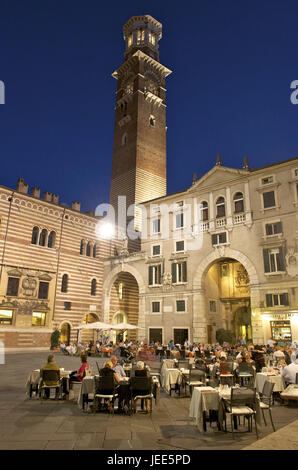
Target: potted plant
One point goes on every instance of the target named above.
(55, 337)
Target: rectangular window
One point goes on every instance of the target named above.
(273, 260)
(267, 180)
(6, 317)
(219, 238)
(269, 199)
(179, 272)
(180, 306)
(43, 290)
(156, 307)
(156, 226)
(12, 286)
(179, 220)
(155, 275)
(156, 250)
(180, 246)
(212, 304)
(274, 228)
(67, 305)
(277, 300)
(38, 319)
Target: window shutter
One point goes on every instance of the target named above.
(266, 260)
(214, 239)
(280, 260)
(284, 299)
(184, 271)
(158, 280)
(278, 227)
(269, 300)
(174, 275)
(150, 275)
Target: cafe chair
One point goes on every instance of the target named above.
(266, 401)
(296, 381)
(182, 364)
(141, 389)
(105, 388)
(47, 377)
(196, 378)
(242, 403)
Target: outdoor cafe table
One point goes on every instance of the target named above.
(33, 380)
(88, 388)
(206, 399)
(290, 393)
(277, 379)
(169, 377)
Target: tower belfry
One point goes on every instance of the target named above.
(139, 152)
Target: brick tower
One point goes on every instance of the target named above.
(139, 153)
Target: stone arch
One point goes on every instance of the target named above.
(107, 289)
(216, 255)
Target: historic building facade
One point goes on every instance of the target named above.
(51, 267)
(221, 254)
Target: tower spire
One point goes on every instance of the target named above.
(218, 160)
(245, 163)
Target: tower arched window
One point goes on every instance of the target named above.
(35, 233)
(220, 207)
(52, 239)
(64, 283)
(43, 237)
(93, 287)
(238, 202)
(204, 211)
(152, 121)
(88, 249)
(82, 247)
(94, 250)
(124, 139)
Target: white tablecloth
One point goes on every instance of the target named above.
(170, 377)
(262, 377)
(34, 378)
(203, 399)
(291, 392)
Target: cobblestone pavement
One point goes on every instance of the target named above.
(47, 424)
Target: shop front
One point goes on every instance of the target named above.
(281, 327)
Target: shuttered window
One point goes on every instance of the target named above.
(155, 275)
(273, 260)
(179, 272)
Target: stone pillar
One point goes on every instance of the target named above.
(141, 333)
(258, 336)
(199, 317)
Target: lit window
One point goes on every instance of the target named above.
(6, 317)
(130, 37)
(38, 319)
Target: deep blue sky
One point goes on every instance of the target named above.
(232, 62)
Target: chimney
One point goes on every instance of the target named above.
(35, 192)
(76, 206)
(55, 198)
(47, 196)
(22, 187)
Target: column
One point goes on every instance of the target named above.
(199, 317)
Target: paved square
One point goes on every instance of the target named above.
(47, 424)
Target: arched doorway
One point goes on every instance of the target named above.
(124, 304)
(65, 333)
(227, 296)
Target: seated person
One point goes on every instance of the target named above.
(117, 368)
(107, 371)
(141, 372)
(50, 365)
(245, 365)
(201, 365)
(224, 367)
(78, 375)
(289, 371)
(63, 348)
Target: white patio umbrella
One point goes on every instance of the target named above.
(124, 326)
(97, 325)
